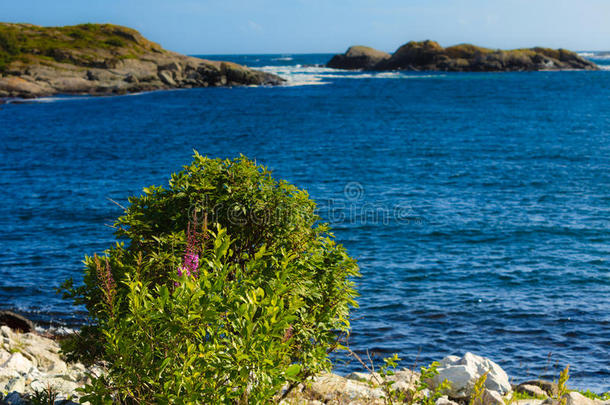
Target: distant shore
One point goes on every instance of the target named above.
(430, 56)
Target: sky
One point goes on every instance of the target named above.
(330, 26)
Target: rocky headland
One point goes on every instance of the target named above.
(104, 59)
(33, 371)
(430, 56)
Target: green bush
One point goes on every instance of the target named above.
(9, 48)
(226, 316)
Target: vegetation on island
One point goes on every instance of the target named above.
(83, 45)
(225, 286)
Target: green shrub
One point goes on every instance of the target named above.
(260, 308)
(9, 48)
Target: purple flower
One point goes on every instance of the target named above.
(190, 262)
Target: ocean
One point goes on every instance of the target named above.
(477, 204)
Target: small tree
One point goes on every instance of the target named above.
(222, 316)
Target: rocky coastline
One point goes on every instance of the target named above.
(32, 366)
(430, 56)
(104, 59)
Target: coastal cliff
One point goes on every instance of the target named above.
(104, 59)
(430, 56)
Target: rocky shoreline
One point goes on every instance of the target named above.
(31, 365)
(104, 59)
(430, 56)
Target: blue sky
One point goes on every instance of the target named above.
(309, 26)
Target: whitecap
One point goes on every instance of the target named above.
(299, 75)
(56, 330)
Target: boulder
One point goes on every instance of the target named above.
(489, 398)
(531, 390)
(331, 387)
(576, 398)
(550, 388)
(464, 372)
(16, 321)
(166, 77)
(358, 57)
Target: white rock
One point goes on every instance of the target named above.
(490, 398)
(5, 331)
(445, 401)
(16, 384)
(17, 362)
(331, 387)
(529, 402)
(464, 372)
(576, 398)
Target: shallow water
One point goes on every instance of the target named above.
(477, 204)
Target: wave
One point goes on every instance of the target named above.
(595, 55)
(299, 75)
(283, 58)
(56, 330)
(45, 99)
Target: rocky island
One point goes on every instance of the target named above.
(430, 56)
(104, 59)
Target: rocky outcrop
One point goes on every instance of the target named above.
(104, 60)
(358, 57)
(430, 56)
(30, 363)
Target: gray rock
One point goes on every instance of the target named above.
(166, 77)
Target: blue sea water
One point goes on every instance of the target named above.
(477, 204)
